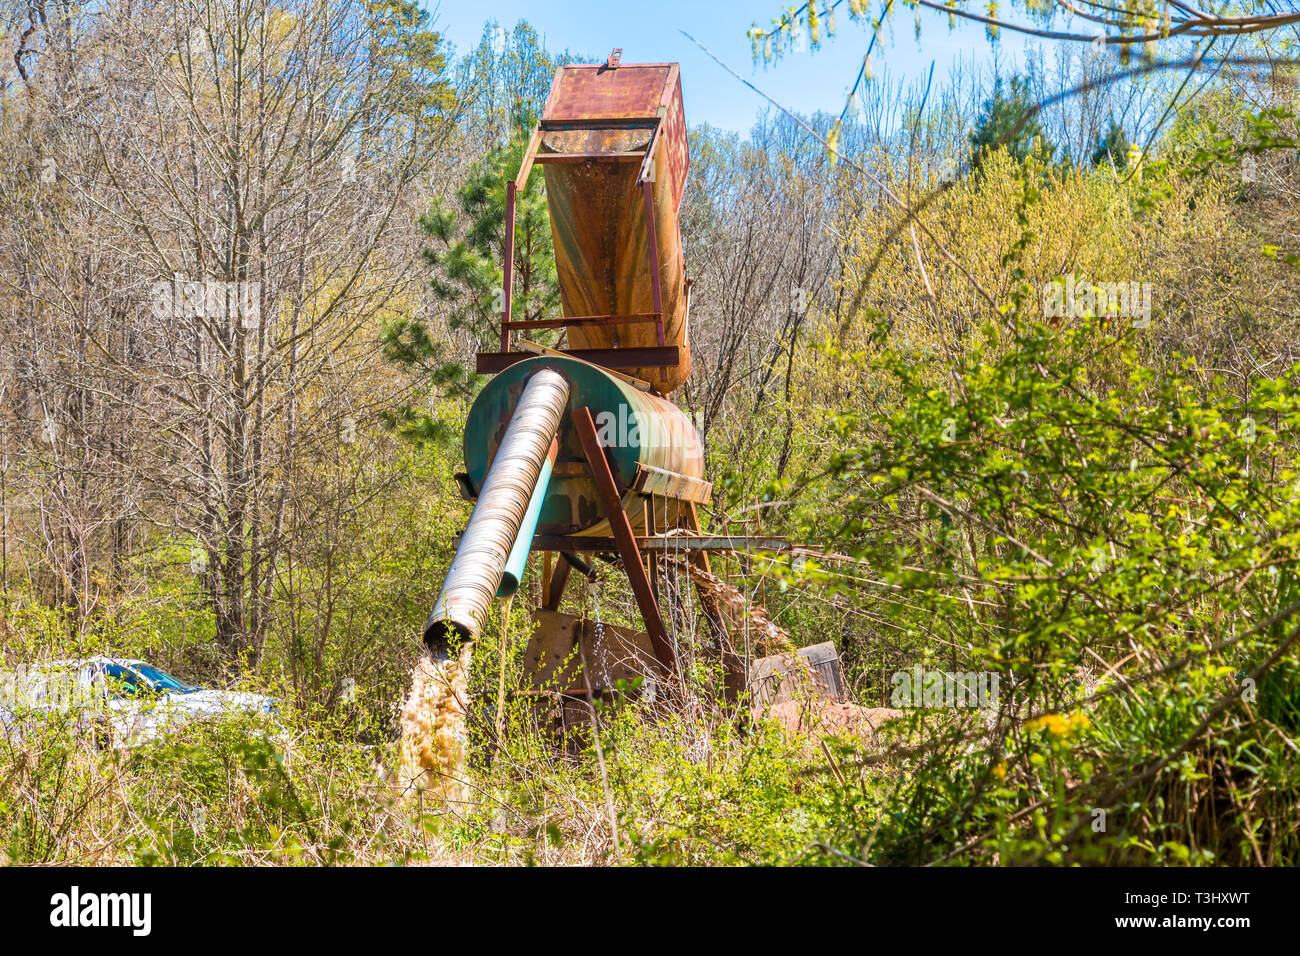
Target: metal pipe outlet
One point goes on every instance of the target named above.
(508, 487)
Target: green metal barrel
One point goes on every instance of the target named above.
(636, 428)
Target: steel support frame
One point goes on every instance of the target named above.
(645, 179)
(664, 543)
(624, 539)
(628, 357)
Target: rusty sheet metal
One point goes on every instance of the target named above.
(599, 222)
(594, 91)
(673, 139)
(604, 142)
(664, 543)
(811, 670)
(634, 91)
(669, 484)
(553, 657)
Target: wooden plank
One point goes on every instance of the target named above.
(674, 542)
(554, 589)
(623, 537)
(530, 154)
(646, 173)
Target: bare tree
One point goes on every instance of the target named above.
(233, 194)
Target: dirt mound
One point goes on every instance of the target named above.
(823, 718)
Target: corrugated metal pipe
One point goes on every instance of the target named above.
(508, 487)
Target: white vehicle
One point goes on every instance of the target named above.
(124, 701)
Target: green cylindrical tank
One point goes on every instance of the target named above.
(635, 427)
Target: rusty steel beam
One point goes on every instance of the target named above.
(664, 543)
(508, 266)
(567, 125)
(652, 247)
(489, 363)
(544, 158)
(584, 320)
(538, 349)
(624, 540)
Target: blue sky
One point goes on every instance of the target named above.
(806, 82)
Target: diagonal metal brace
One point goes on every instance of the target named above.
(623, 537)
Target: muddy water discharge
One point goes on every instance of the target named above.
(434, 726)
(501, 679)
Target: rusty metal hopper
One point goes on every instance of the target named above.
(614, 147)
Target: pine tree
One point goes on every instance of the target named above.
(1006, 121)
(466, 244)
(1112, 148)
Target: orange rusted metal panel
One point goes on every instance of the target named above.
(600, 219)
(646, 91)
(674, 141)
(553, 657)
(595, 91)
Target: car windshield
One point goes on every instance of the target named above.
(161, 680)
(122, 682)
